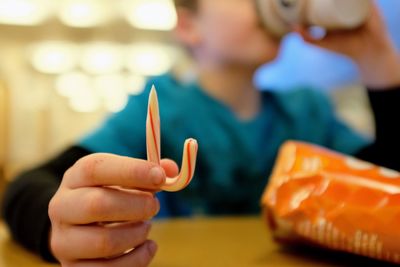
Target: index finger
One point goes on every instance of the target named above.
(103, 169)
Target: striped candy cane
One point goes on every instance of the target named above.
(153, 146)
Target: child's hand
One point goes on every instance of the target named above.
(369, 46)
(100, 212)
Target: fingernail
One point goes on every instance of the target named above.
(157, 175)
(158, 205)
(152, 247)
(317, 33)
(147, 225)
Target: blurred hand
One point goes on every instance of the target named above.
(370, 46)
(100, 213)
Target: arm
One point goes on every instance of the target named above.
(27, 198)
(96, 207)
(94, 188)
(372, 49)
(369, 46)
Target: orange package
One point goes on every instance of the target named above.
(335, 201)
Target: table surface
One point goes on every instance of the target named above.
(225, 241)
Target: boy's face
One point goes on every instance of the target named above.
(229, 31)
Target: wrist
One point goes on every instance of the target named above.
(381, 70)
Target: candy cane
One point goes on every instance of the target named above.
(153, 147)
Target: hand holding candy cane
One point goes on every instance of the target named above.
(113, 196)
(153, 146)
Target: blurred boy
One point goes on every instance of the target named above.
(239, 129)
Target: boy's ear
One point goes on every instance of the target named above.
(186, 30)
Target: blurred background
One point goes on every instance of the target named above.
(66, 64)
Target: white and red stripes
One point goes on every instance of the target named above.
(153, 146)
(358, 242)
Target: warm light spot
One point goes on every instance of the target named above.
(111, 88)
(25, 12)
(102, 58)
(135, 84)
(83, 13)
(86, 101)
(149, 59)
(71, 84)
(150, 14)
(54, 57)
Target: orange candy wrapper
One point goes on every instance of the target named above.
(334, 201)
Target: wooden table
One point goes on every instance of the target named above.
(209, 242)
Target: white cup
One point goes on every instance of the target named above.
(337, 14)
(279, 16)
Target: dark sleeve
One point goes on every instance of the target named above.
(27, 197)
(385, 150)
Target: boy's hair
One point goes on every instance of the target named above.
(191, 4)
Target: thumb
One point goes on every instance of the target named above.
(170, 167)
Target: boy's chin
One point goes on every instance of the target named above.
(253, 65)
(261, 56)
(259, 61)
(252, 61)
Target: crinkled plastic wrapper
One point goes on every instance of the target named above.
(334, 201)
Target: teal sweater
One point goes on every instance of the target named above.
(235, 156)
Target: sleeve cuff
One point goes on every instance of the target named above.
(44, 246)
(385, 104)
